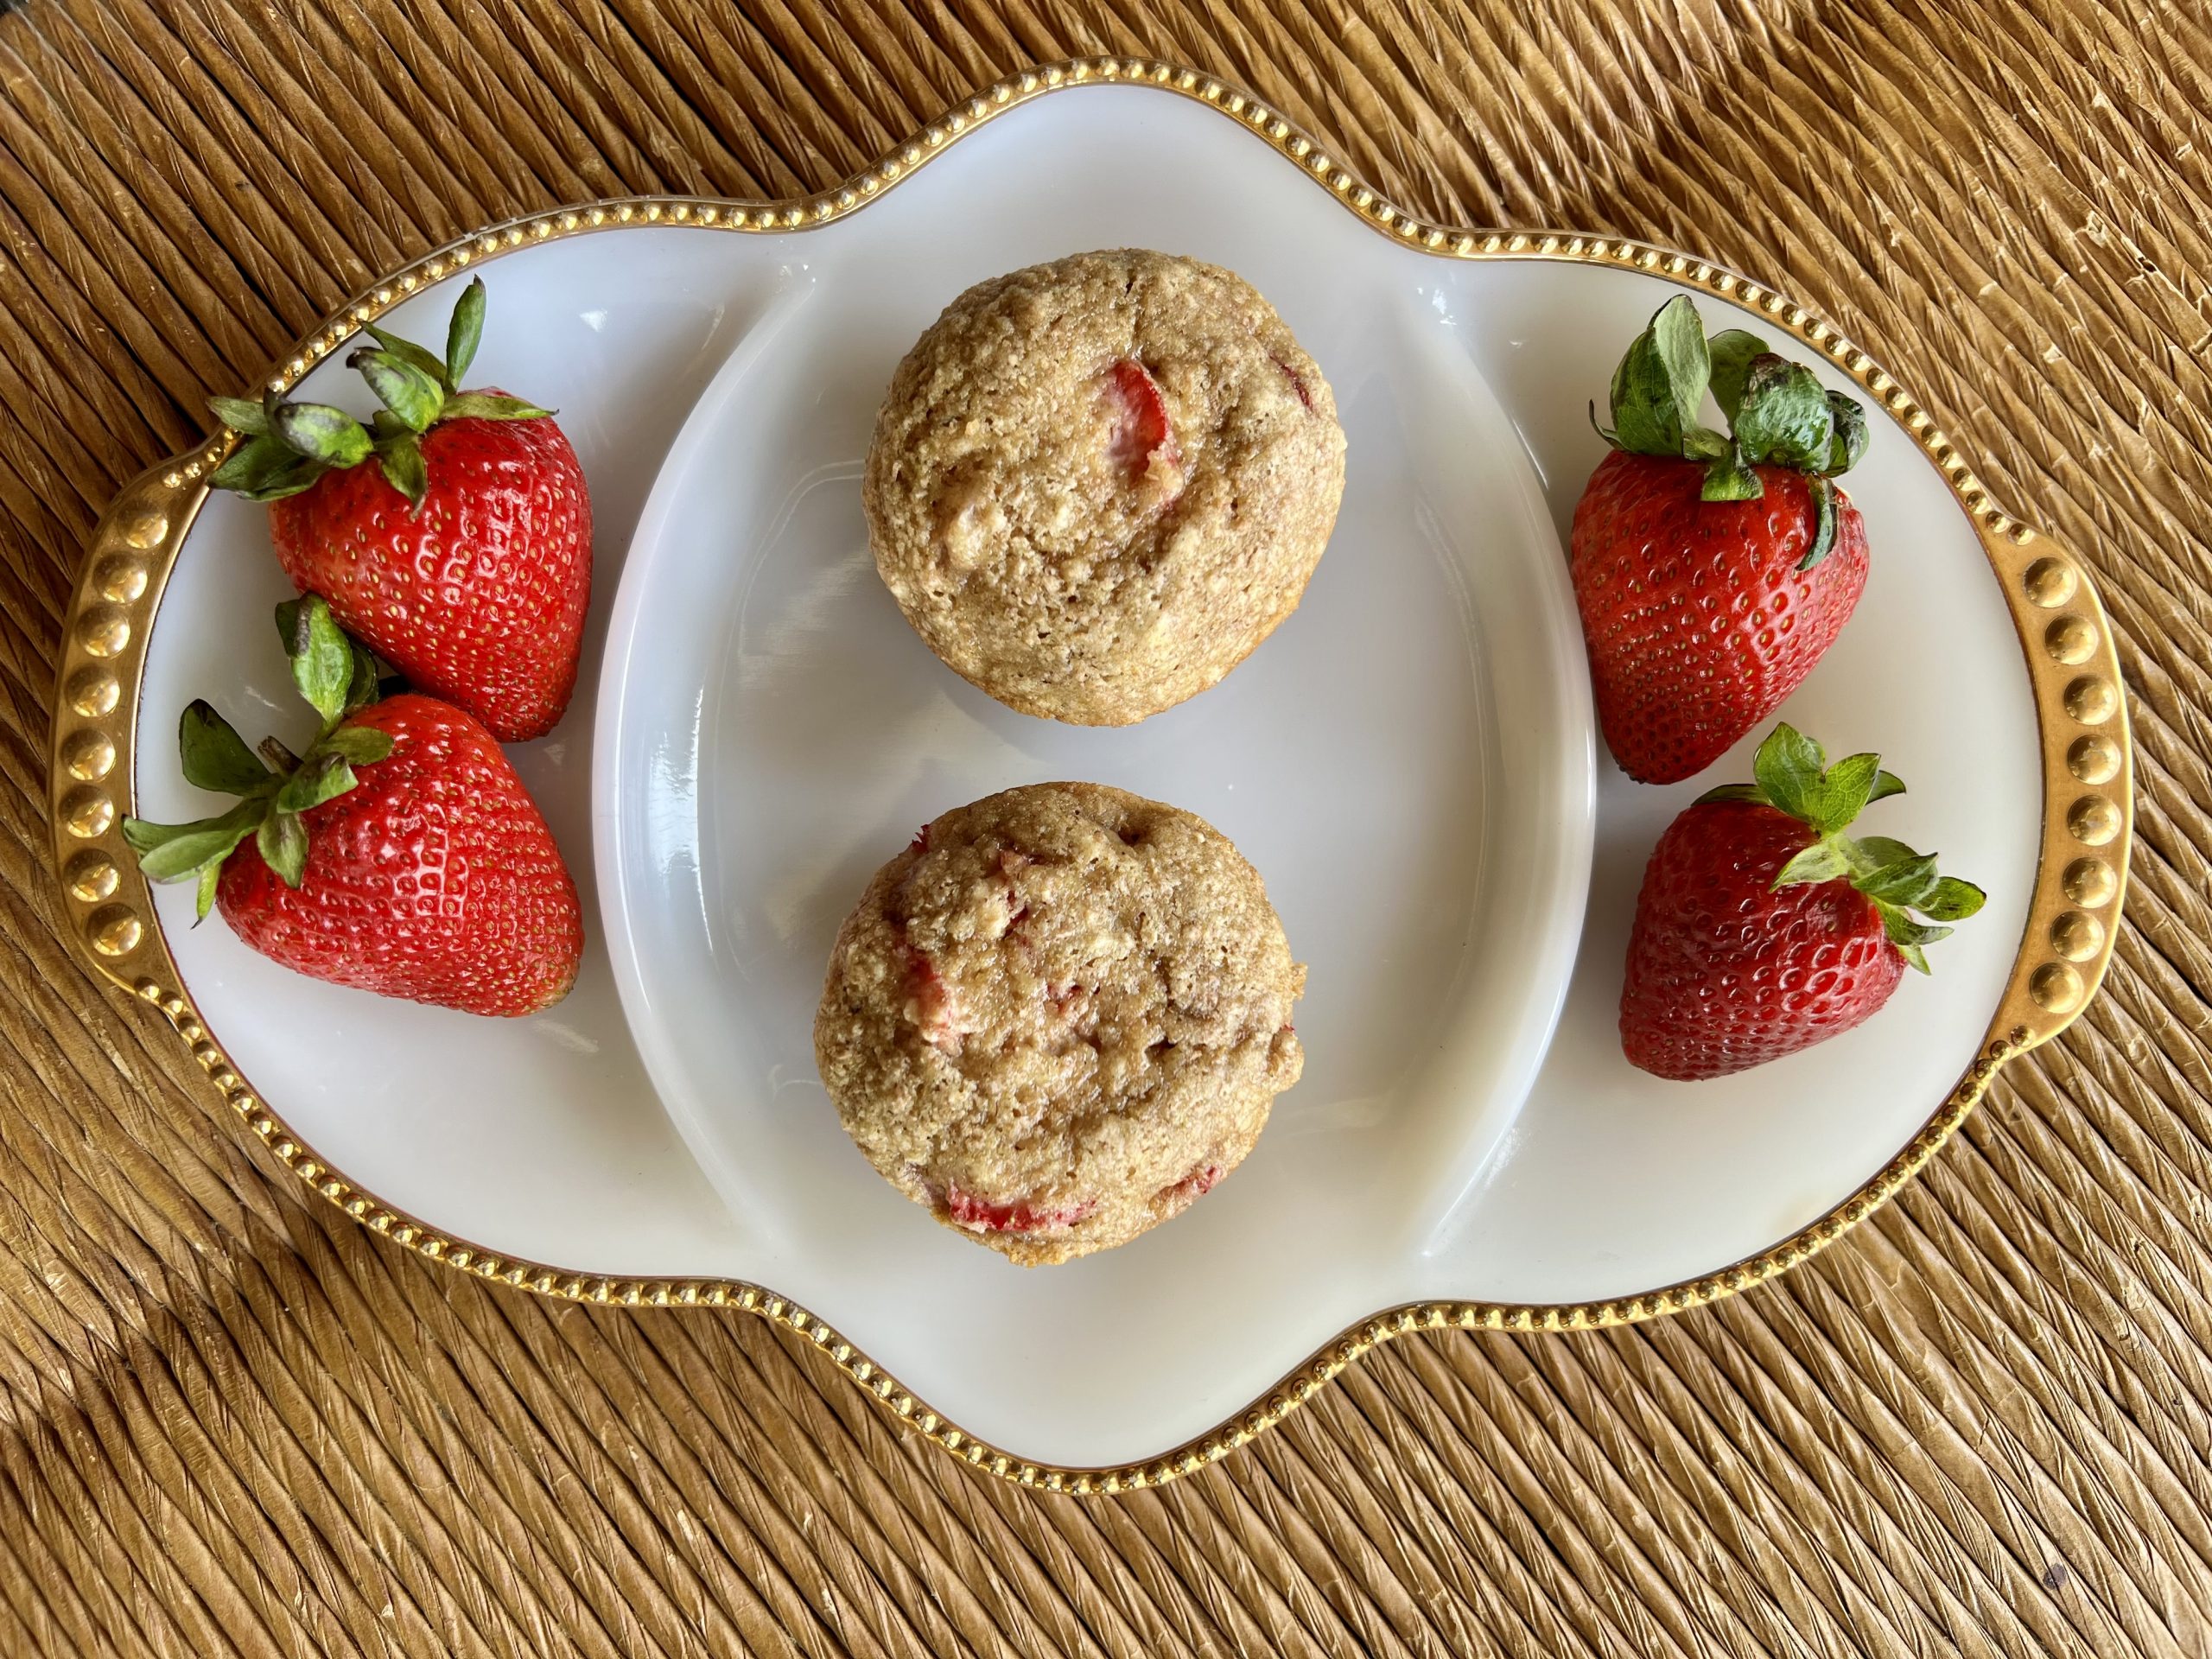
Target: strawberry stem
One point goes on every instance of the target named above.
(290, 445)
(1793, 776)
(339, 678)
(1779, 414)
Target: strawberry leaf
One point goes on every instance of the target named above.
(411, 354)
(1678, 337)
(1788, 767)
(1845, 788)
(361, 745)
(240, 415)
(177, 852)
(1903, 929)
(366, 684)
(465, 329)
(253, 463)
(1821, 861)
(413, 397)
(215, 756)
(1907, 883)
(1783, 415)
(324, 434)
(1728, 477)
(1731, 353)
(1954, 900)
(267, 467)
(174, 852)
(323, 777)
(1910, 936)
(281, 761)
(282, 842)
(1793, 773)
(400, 459)
(1870, 853)
(322, 657)
(1848, 447)
(491, 406)
(142, 837)
(1733, 793)
(295, 479)
(1823, 490)
(1660, 384)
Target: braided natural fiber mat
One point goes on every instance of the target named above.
(233, 1423)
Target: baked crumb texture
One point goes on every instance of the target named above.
(1058, 1017)
(1097, 485)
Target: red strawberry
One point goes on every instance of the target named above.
(1143, 435)
(463, 557)
(1712, 572)
(1697, 617)
(400, 855)
(1763, 929)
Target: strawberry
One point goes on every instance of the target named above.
(928, 1006)
(463, 556)
(981, 1215)
(1762, 928)
(399, 854)
(1712, 572)
(1143, 435)
(1193, 1187)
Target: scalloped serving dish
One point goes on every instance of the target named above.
(1408, 761)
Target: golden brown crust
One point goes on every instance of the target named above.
(1058, 1017)
(1097, 485)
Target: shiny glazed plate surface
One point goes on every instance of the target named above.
(1409, 762)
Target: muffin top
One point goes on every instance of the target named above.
(1060, 1016)
(1096, 485)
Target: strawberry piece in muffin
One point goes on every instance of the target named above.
(1143, 436)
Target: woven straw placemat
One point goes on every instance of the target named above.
(232, 1422)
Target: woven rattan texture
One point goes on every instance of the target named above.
(233, 1423)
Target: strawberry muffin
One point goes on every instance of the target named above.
(1058, 1017)
(1097, 485)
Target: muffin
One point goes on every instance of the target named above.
(1097, 485)
(1058, 1017)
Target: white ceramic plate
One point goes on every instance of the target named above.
(1409, 762)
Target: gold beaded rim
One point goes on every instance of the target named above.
(2073, 669)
